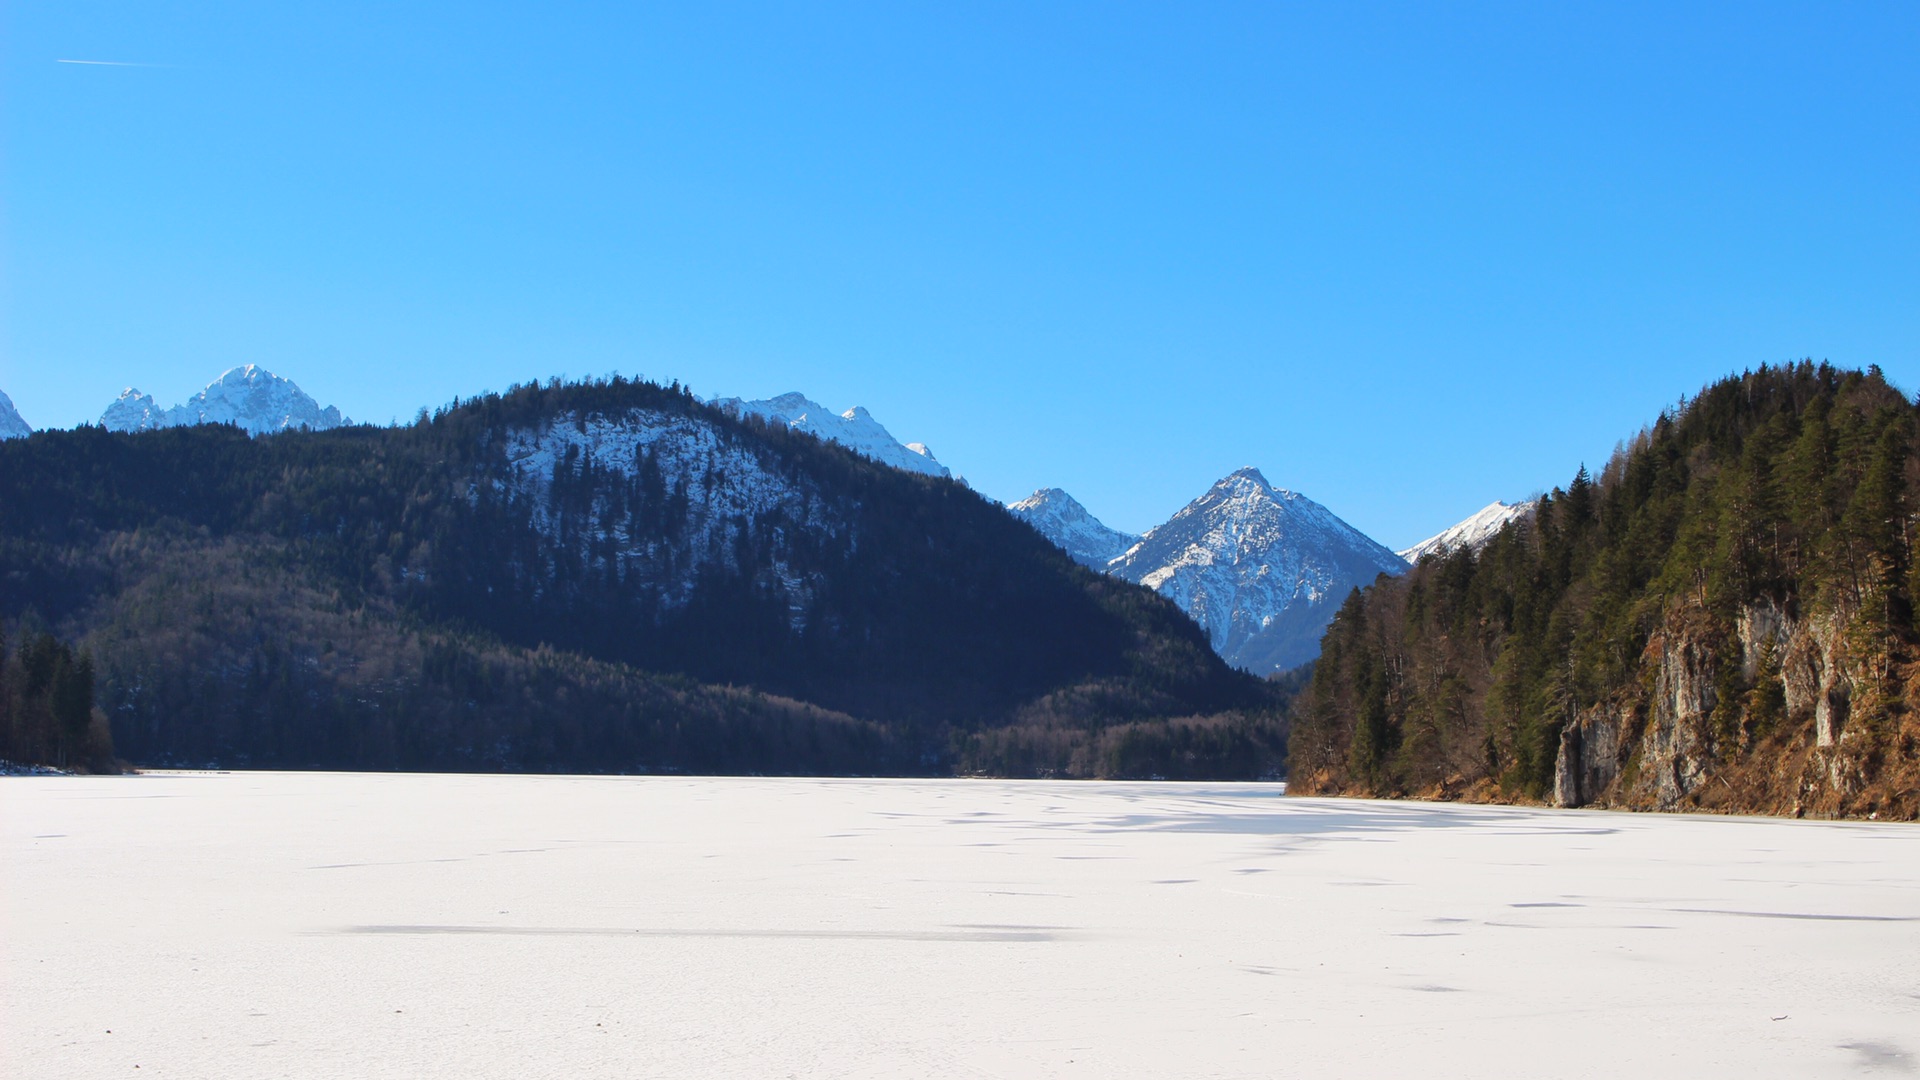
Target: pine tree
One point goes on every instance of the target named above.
(70, 701)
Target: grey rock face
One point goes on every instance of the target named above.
(1669, 736)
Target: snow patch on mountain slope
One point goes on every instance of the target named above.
(1260, 568)
(855, 429)
(590, 482)
(250, 397)
(11, 424)
(1060, 518)
(1472, 534)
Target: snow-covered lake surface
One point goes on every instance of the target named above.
(310, 925)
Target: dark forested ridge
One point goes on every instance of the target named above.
(1723, 619)
(603, 576)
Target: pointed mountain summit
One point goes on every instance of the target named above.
(1473, 533)
(855, 429)
(250, 397)
(1060, 518)
(134, 411)
(11, 425)
(1260, 568)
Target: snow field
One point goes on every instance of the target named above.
(330, 925)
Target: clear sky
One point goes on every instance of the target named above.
(1406, 258)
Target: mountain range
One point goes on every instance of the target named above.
(855, 429)
(250, 397)
(604, 576)
(1260, 568)
(616, 576)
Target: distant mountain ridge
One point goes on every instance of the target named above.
(1260, 568)
(1060, 518)
(249, 397)
(607, 576)
(855, 429)
(1472, 534)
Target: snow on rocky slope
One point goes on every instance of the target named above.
(1473, 533)
(11, 425)
(855, 429)
(1260, 568)
(712, 484)
(1060, 518)
(251, 397)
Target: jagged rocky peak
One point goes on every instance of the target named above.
(855, 429)
(1060, 518)
(1472, 534)
(1261, 568)
(134, 411)
(11, 425)
(249, 397)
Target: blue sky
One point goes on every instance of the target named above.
(1405, 258)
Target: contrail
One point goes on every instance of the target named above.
(106, 63)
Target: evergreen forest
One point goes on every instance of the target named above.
(47, 714)
(1722, 619)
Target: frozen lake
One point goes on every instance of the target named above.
(310, 925)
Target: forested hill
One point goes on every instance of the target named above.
(1724, 619)
(602, 576)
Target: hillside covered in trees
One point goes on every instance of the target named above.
(608, 576)
(1723, 619)
(47, 714)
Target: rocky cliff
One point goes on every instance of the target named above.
(1763, 722)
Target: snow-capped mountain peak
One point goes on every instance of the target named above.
(1246, 474)
(1261, 568)
(1473, 533)
(249, 397)
(1060, 518)
(134, 411)
(855, 429)
(11, 424)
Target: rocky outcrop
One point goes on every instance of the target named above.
(1677, 746)
(1592, 750)
(1662, 749)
